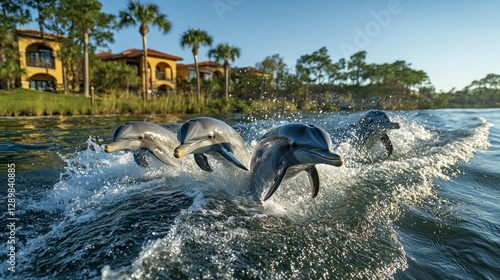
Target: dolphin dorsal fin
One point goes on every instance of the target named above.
(202, 161)
(232, 158)
(313, 180)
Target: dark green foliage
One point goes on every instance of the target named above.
(111, 76)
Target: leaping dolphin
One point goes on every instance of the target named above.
(286, 150)
(141, 136)
(373, 126)
(208, 136)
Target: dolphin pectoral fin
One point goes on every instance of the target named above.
(280, 174)
(387, 143)
(202, 161)
(232, 158)
(141, 158)
(159, 154)
(313, 180)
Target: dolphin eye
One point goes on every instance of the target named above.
(294, 145)
(211, 136)
(140, 137)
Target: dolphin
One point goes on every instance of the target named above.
(208, 136)
(373, 126)
(286, 150)
(141, 137)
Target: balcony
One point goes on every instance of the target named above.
(161, 75)
(40, 60)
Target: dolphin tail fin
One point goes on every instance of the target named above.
(232, 158)
(280, 174)
(387, 143)
(313, 179)
(202, 162)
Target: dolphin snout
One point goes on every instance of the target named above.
(108, 149)
(179, 152)
(113, 147)
(131, 145)
(192, 147)
(316, 156)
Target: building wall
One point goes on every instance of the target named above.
(213, 72)
(169, 67)
(27, 44)
(183, 73)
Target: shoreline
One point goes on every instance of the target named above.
(30, 103)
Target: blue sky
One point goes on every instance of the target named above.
(454, 42)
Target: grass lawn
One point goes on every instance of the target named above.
(24, 102)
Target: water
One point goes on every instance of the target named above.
(429, 212)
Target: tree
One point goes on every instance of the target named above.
(42, 7)
(12, 13)
(108, 76)
(194, 38)
(224, 53)
(143, 15)
(485, 91)
(10, 69)
(274, 65)
(315, 67)
(358, 69)
(313, 70)
(83, 18)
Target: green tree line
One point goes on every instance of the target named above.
(318, 80)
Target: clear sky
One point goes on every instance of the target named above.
(454, 42)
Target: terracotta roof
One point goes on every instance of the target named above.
(103, 54)
(36, 33)
(206, 63)
(132, 53)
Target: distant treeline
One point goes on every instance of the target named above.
(480, 93)
(355, 84)
(349, 84)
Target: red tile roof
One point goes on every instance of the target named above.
(132, 53)
(103, 54)
(208, 63)
(36, 33)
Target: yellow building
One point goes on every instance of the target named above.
(38, 55)
(208, 70)
(163, 76)
(44, 71)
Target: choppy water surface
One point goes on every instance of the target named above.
(429, 212)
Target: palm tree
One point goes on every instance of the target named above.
(143, 15)
(224, 53)
(82, 19)
(194, 38)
